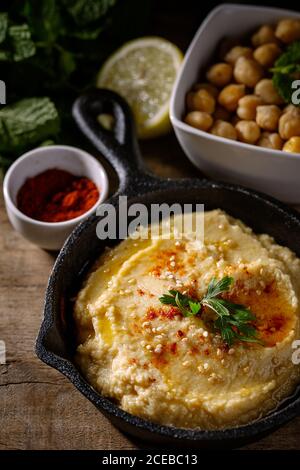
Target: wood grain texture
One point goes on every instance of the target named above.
(39, 408)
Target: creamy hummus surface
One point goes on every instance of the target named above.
(174, 370)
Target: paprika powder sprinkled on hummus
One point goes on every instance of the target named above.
(56, 196)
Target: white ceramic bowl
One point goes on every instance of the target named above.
(271, 171)
(48, 235)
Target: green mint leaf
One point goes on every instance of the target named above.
(22, 44)
(3, 26)
(67, 63)
(86, 34)
(4, 56)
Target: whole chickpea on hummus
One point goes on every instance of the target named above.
(239, 98)
(173, 361)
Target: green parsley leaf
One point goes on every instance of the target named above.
(216, 306)
(187, 305)
(232, 320)
(195, 307)
(168, 299)
(215, 287)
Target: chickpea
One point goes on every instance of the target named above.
(247, 107)
(267, 54)
(267, 117)
(247, 71)
(248, 131)
(224, 129)
(222, 113)
(219, 74)
(267, 92)
(288, 30)
(230, 96)
(289, 126)
(201, 101)
(264, 34)
(270, 141)
(290, 108)
(292, 145)
(213, 90)
(199, 119)
(236, 52)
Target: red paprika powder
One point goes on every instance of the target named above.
(56, 195)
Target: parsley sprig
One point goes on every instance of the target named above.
(233, 321)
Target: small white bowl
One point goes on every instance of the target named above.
(270, 171)
(50, 235)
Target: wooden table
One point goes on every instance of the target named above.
(39, 408)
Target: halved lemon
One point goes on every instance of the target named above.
(143, 71)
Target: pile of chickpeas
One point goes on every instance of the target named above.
(239, 101)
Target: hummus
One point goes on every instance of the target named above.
(171, 369)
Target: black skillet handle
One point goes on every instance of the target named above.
(119, 146)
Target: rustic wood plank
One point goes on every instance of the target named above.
(40, 409)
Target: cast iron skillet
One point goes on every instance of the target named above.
(56, 344)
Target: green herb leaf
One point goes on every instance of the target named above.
(4, 56)
(233, 320)
(180, 302)
(195, 307)
(84, 12)
(240, 312)
(27, 122)
(23, 46)
(216, 306)
(216, 288)
(169, 299)
(3, 26)
(45, 19)
(67, 63)
(187, 306)
(55, 48)
(286, 69)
